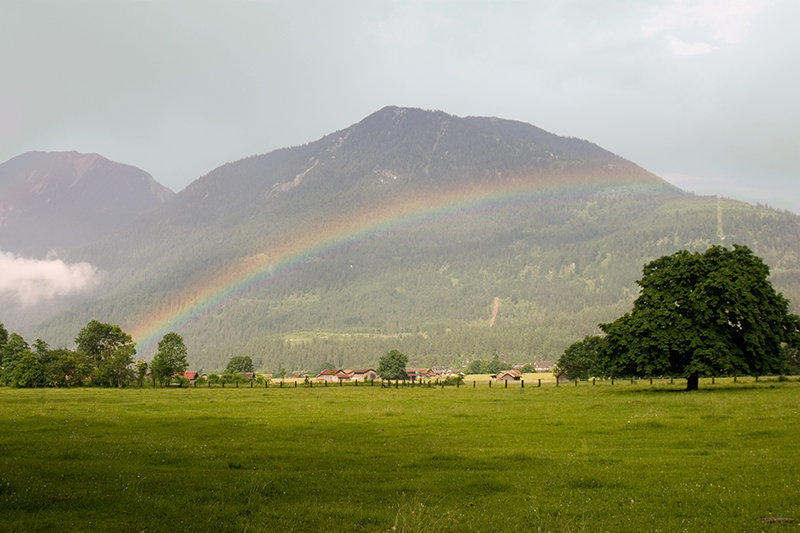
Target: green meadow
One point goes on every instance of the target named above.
(623, 457)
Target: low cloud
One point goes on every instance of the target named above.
(30, 281)
(714, 22)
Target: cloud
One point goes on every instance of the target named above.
(30, 281)
(678, 47)
(709, 23)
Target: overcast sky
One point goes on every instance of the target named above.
(704, 93)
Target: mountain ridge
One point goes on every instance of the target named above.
(62, 200)
(405, 226)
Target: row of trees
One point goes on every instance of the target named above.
(709, 314)
(104, 356)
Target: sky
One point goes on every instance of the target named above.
(704, 93)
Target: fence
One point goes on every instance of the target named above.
(490, 383)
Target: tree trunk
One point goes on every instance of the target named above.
(692, 382)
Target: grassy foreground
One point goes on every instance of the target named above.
(588, 458)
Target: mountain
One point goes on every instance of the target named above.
(407, 230)
(61, 200)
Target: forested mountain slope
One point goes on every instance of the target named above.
(400, 231)
(60, 200)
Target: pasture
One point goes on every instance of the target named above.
(570, 458)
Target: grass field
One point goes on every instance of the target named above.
(588, 458)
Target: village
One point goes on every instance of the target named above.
(415, 375)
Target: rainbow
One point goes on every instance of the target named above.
(331, 236)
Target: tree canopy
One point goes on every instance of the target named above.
(393, 366)
(239, 364)
(170, 358)
(581, 360)
(708, 314)
(3, 337)
(97, 338)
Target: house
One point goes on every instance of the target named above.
(344, 375)
(562, 377)
(364, 374)
(191, 375)
(509, 375)
(544, 366)
(328, 374)
(247, 375)
(415, 374)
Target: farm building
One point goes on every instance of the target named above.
(365, 374)
(508, 375)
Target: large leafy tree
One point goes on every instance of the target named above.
(11, 353)
(111, 350)
(3, 339)
(26, 371)
(98, 339)
(706, 314)
(170, 358)
(393, 366)
(116, 368)
(239, 363)
(582, 359)
(65, 368)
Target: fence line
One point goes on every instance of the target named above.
(489, 383)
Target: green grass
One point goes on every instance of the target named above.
(587, 458)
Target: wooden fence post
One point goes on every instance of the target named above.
(522, 384)
(593, 382)
(540, 382)
(474, 383)
(506, 383)
(490, 383)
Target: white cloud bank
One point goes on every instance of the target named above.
(719, 21)
(31, 281)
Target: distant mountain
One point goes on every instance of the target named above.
(61, 200)
(401, 231)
